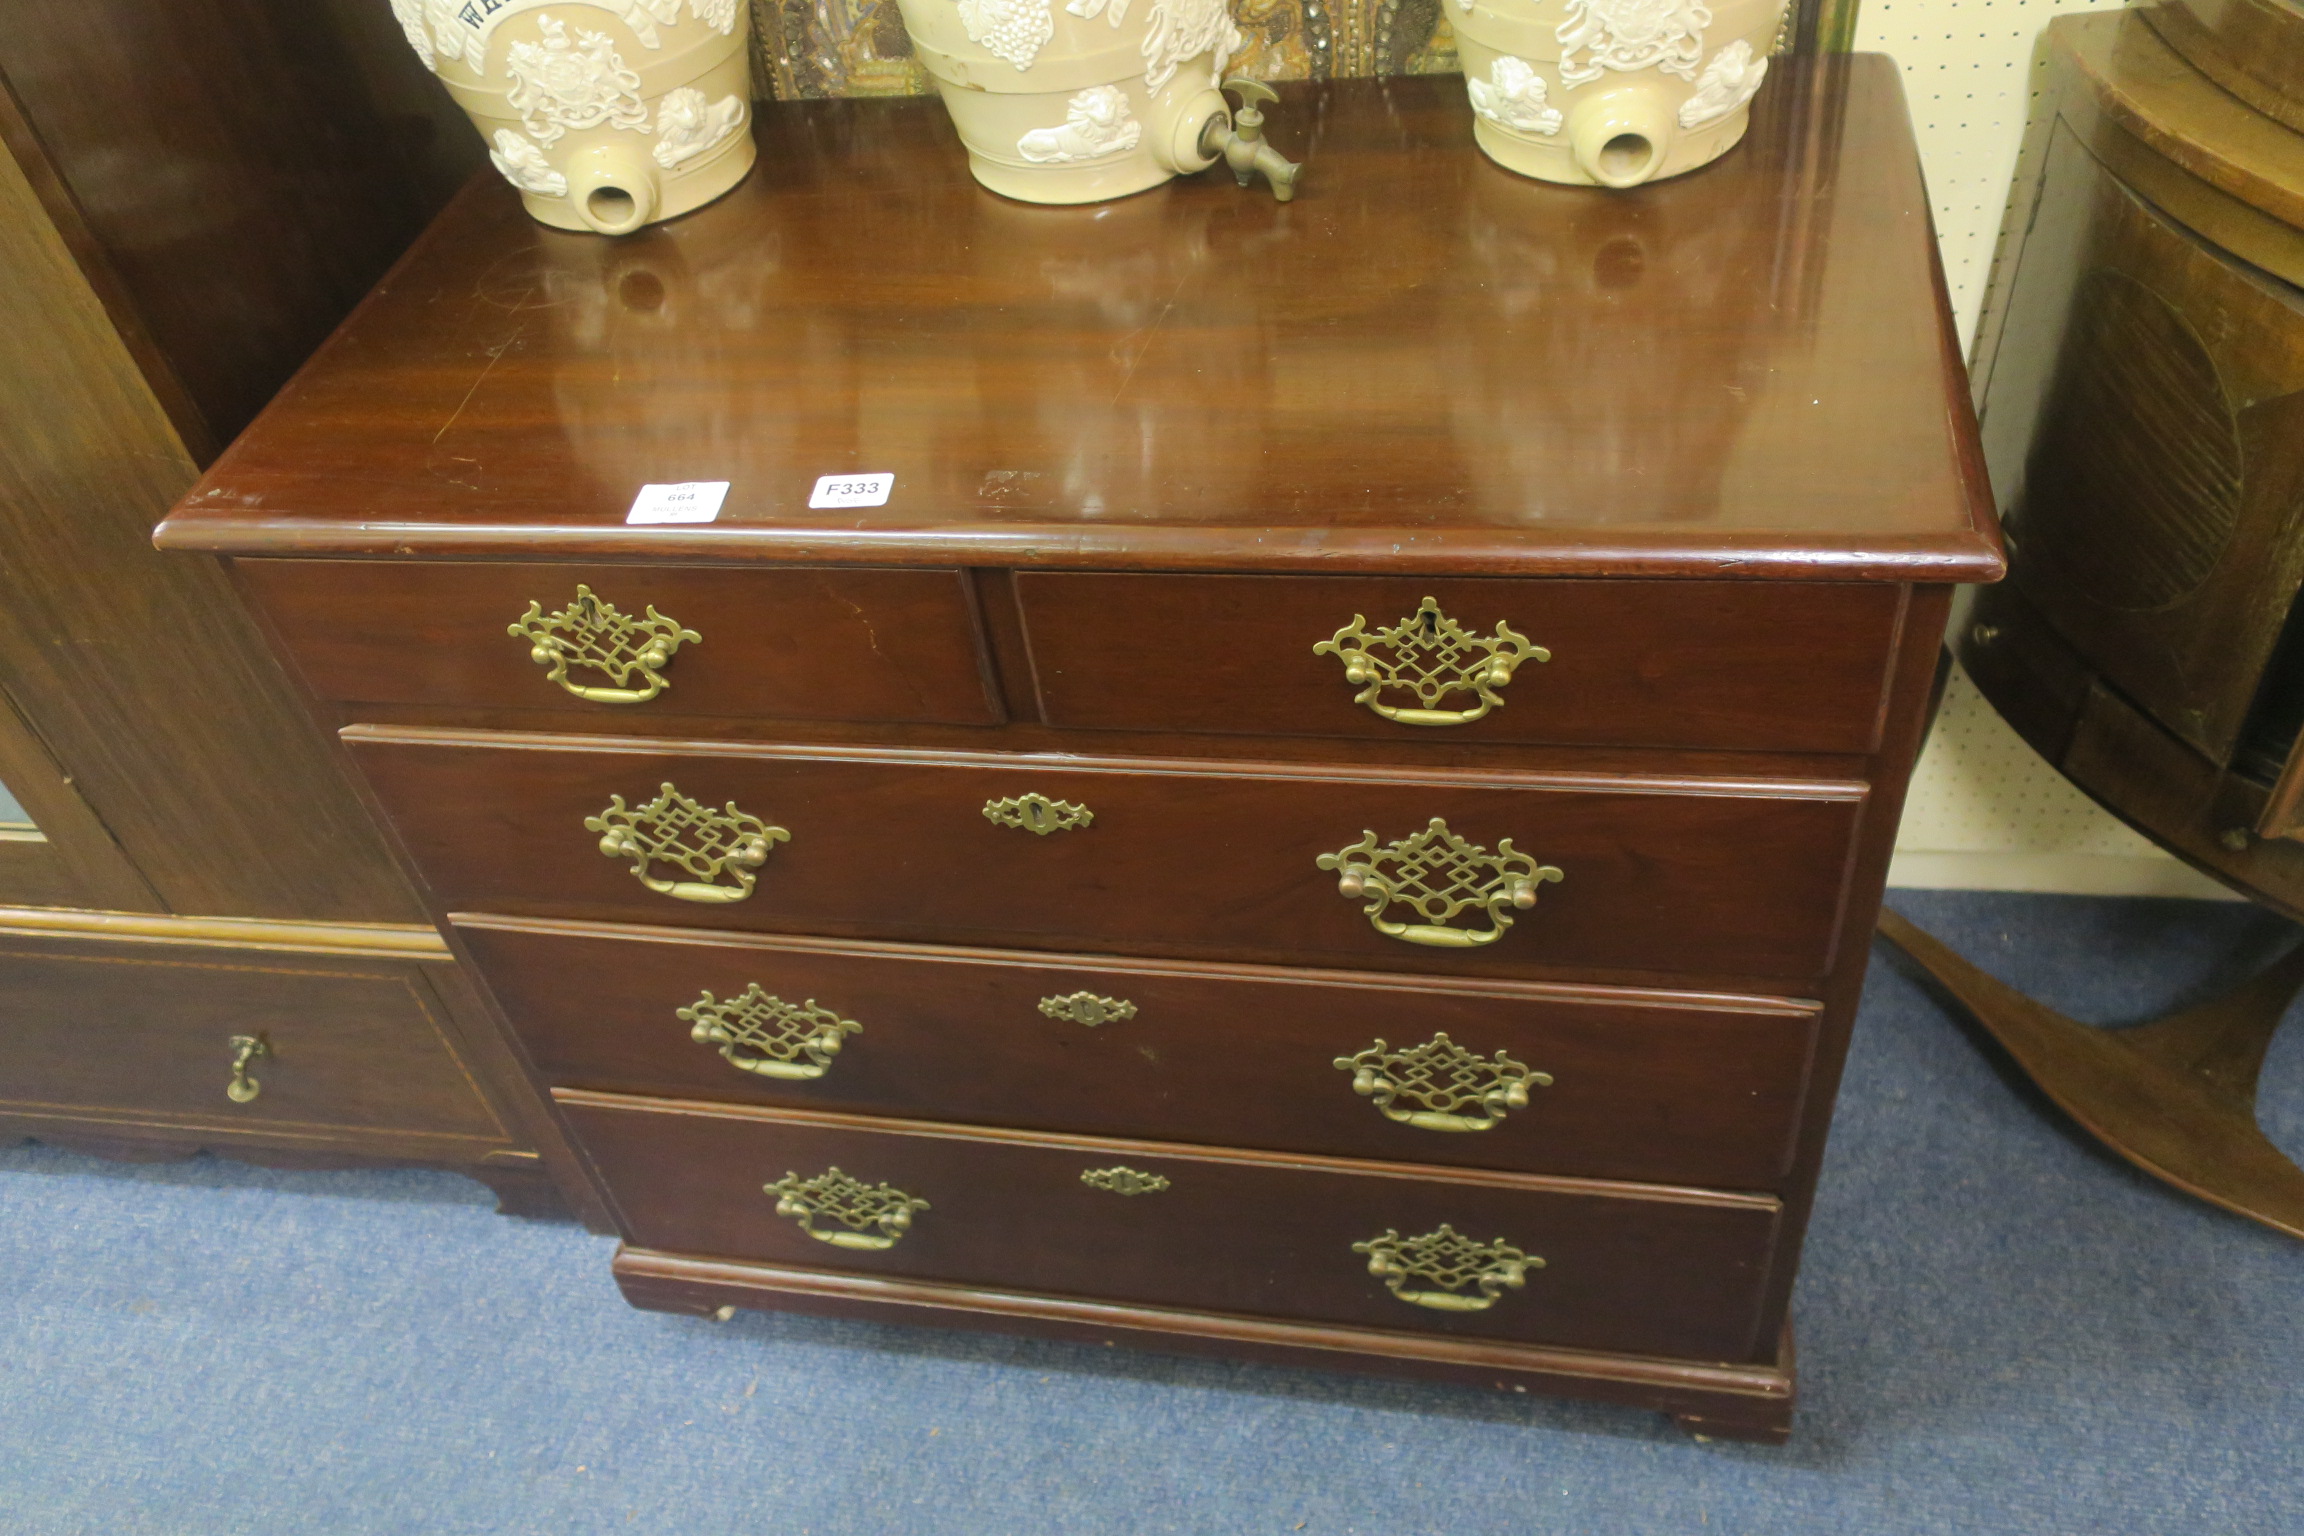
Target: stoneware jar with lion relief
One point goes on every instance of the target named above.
(1611, 92)
(607, 114)
(1077, 101)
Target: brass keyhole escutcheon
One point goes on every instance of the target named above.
(1037, 814)
(246, 1051)
(1088, 1009)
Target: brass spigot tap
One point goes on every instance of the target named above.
(1243, 146)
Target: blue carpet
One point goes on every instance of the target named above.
(2002, 1331)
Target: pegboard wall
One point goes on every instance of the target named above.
(1985, 811)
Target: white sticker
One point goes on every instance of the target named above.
(852, 491)
(696, 501)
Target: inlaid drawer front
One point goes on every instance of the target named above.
(1768, 666)
(311, 1047)
(1663, 1087)
(635, 642)
(1618, 1267)
(1714, 879)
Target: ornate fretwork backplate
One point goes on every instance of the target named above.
(1431, 658)
(1437, 876)
(1440, 1086)
(1037, 813)
(767, 1036)
(1089, 1009)
(717, 850)
(1445, 1270)
(590, 635)
(861, 1215)
(1124, 1181)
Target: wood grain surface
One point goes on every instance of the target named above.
(811, 644)
(1734, 665)
(1634, 1268)
(1734, 373)
(1676, 1088)
(1213, 860)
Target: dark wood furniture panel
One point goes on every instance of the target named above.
(1169, 382)
(1733, 665)
(1706, 1398)
(234, 174)
(173, 241)
(1673, 1088)
(1626, 1268)
(1180, 859)
(346, 1048)
(2148, 428)
(808, 644)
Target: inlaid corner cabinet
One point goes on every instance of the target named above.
(1335, 813)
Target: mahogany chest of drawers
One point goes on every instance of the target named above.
(1333, 815)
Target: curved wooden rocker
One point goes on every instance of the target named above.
(2176, 1097)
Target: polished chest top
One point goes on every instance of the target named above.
(1334, 813)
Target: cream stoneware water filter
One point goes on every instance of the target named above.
(1611, 92)
(607, 114)
(1087, 100)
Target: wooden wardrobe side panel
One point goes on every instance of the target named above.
(140, 671)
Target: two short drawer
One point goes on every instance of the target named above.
(1464, 873)
(1490, 1255)
(1713, 665)
(1659, 1087)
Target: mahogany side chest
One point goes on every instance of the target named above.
(1333, 813)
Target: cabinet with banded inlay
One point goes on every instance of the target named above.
(1335, 814)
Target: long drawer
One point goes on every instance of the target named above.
(1741, 665)
(1630, 1268)
(632, 643)
(1146, 858)
(1656, 1086)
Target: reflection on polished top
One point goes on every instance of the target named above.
(1423, 361)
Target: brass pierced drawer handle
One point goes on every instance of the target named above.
(1445, 1270)
(1440, 1086)
(1123, 1181)
(1431, 658)
(247, 1050)
(717, 850)
(762, 1034)
(590, 634)
(858, 1215)
(1089, 1009)
(1437, 875)
(1037, 814)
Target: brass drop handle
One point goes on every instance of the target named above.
(764, 1035)
(1242, 145)
(858, 1215)
(591, 634)
(1440, 1086)
(1437, 876)
(1445, 1270)
(717, 850)
(246, 1051)
(1431, 659)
